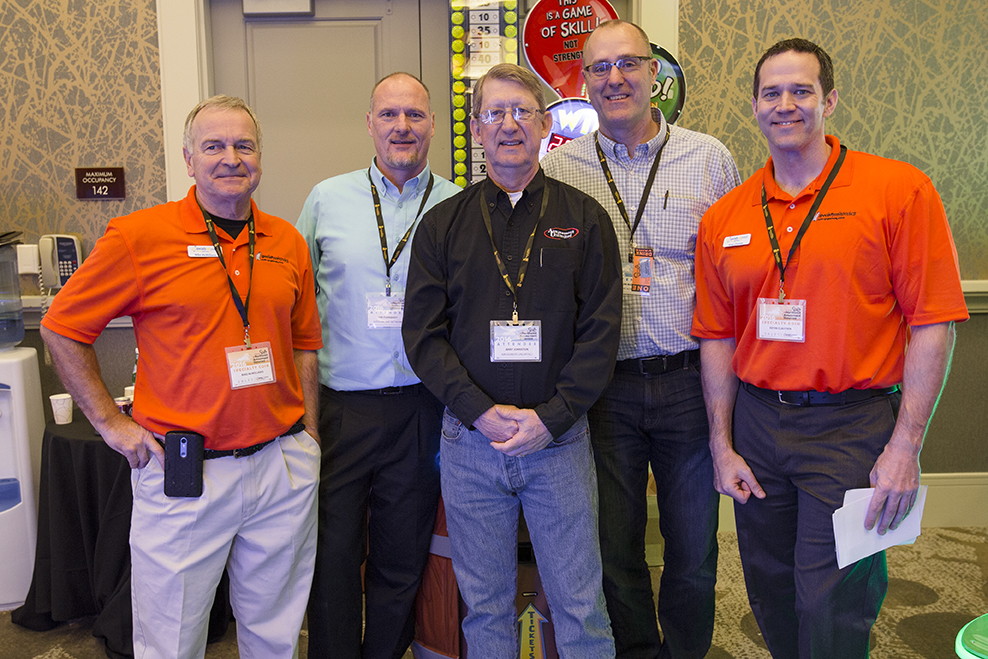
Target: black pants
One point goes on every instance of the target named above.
(379, 455)
(806, 458)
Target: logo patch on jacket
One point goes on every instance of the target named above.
(555, 233)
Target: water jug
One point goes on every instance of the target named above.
(11, 313)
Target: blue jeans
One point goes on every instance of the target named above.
(556, 490)
(657, 419)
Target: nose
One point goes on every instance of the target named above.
(509, 116)
(402, 124)
(786, 101)
(614, 76)
(231, 156)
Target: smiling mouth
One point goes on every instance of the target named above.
(790, 122)
(617, 97)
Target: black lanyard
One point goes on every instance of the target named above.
(388, 264)
(617, 195)
(241, 306)
(528, 248)
(776, 251)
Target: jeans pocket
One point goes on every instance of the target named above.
(452, 428)
(576, 432)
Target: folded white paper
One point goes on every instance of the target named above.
(854, 542)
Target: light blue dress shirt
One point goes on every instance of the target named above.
(339, 224)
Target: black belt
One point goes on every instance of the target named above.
(386, 391)
(808, 398)
(209, 454)
(658, 364)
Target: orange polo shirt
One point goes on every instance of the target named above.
(184, 317)
(878, 258)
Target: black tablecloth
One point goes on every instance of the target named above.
(82, 563)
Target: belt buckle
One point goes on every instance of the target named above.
(805, 399)
(240, 452)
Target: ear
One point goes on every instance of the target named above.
(188, 161)
(653, 67)
(830, 104)
(369, 131)
(546, 124)
(754, 106)
(432, 131)
(475, 130)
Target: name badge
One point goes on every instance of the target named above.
(250, 367)
(783, 320)
(638, 273)
(516, 342)
(202, 252)
(385, 311)
(737, 241)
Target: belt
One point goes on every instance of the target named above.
(658, 364)
(809, 398)
(209, 454)
(388, 391)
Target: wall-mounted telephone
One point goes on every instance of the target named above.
(60, 257)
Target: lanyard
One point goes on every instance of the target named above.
(528, 248)
(241, 306)
(776, 252)
(617, 195)
(388, 264)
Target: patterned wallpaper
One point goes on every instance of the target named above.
(79, 87)
(911, 75)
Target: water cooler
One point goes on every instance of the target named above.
(22, 426)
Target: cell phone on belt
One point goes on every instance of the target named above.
(183, 463)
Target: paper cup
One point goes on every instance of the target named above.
(129, 392)
(61, 407)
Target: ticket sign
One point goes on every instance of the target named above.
(554, 34)
(100, 183)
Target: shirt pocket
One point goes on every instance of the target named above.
(556, 273)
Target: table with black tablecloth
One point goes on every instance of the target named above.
(82, 562)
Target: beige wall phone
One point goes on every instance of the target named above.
(60, 257)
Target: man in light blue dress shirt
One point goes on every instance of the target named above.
(380, 426)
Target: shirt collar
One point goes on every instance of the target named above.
(653, 145)
(773, 191)
(413, 187)
(492, 192)
(193, 221)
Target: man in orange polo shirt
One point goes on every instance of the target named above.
(812, 277)
(223, 304)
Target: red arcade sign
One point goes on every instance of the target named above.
(554, 34)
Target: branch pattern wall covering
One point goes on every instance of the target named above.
(911, 75)
(79, 87)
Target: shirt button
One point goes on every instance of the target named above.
(236, 272)
(396, 353)
(792, 206)
(508, 293)
(399, 204)
(510, 258)
(789, 229)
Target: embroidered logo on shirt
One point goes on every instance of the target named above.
(556, 233)
(271, 259)
(840, 215)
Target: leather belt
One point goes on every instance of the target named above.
(210, 454)
(810, 398)
(659, 364)
(390, 391)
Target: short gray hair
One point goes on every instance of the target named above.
(511, 72)
(219, 102)
(396, 74)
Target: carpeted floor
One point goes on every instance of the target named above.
(936, 586)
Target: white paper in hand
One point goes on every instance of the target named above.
(854, 542)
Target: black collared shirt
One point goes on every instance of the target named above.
(573, 286)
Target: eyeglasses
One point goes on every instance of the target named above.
(496, 115)
(628, 64)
